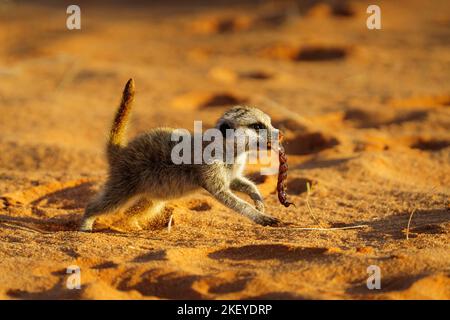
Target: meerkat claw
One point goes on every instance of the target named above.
(86, 226)
(265, 220)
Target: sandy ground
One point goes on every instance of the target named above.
(366, 117)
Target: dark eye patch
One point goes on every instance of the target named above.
(257, 126)
(223, 128)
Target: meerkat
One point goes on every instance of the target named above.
(142, 170)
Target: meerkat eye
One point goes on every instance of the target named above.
(257, 126)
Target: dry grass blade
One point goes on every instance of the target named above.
(409, 223)
(169, 225)
(359, 226)
(308, 189)
(22, 227)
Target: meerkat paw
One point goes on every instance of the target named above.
(134, 224)
(266, 220)
(87, 224)
(259, 205)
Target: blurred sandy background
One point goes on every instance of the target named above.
(366, 117)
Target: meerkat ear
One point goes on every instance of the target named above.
(223, 128)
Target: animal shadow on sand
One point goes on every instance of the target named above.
(58, 291)
(282, 252)
(69, 198)
(431, 221)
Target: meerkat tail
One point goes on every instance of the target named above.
(118, 130)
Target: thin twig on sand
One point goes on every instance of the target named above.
(22, 227)
(308, 189)
(169, 225)
(359, 226)
(409, 223)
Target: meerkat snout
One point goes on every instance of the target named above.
(143, 171)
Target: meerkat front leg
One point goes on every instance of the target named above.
(226, 197)
(246, 186)
(144, 211)
(233, 202)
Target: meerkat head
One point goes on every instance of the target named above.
(248, 122)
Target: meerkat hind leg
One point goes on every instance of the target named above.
(144, 212)
(88, 223)
(105, 203)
